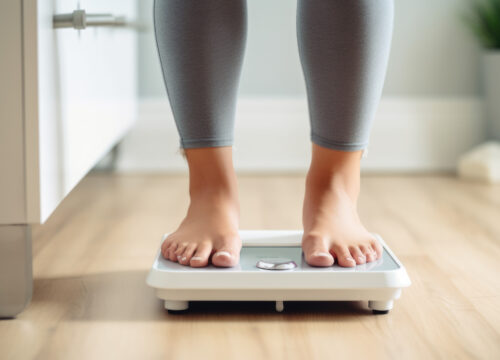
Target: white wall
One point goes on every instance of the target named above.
(432, 54)
(430, 111)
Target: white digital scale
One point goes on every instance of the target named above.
(272, 268)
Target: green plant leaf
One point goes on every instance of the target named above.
(483, 19)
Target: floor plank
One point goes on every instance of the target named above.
(92, 256)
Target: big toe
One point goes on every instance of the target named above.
(227, 254)
(316, 251)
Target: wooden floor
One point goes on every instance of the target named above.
(91, 258)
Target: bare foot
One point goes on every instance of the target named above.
(332, 228)
(209, 232)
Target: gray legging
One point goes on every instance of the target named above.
(344, 49)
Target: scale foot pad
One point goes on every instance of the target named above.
(182, 307)
(176, 306)
(380, 312)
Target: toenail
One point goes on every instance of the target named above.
(196, 258)
(219, 253)
(323, 254)
(178, 257)
(349, 258)
(361, 258)
(183, 259)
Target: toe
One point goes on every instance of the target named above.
(171, 252)
(357, 255)
(316, 251)
(180, 250)
(344, 257)
(201, 255)
(377, 246)
(164, 249)
(167, 245)
(187, 254)
(227, 254)
(369, 253)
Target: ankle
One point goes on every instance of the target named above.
(334, 171)
(211, 173)
(335, 188)
(213, 190)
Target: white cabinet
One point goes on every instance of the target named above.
(67, 96)
(80, 94)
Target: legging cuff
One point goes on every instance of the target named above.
(203, 143)
(333, 145)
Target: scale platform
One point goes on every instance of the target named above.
(272, 268)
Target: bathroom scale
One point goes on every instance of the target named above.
(272, 268)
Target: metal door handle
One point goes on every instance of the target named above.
(80, 20)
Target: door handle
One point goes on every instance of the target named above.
(80, 20)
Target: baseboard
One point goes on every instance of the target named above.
(410, 134)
